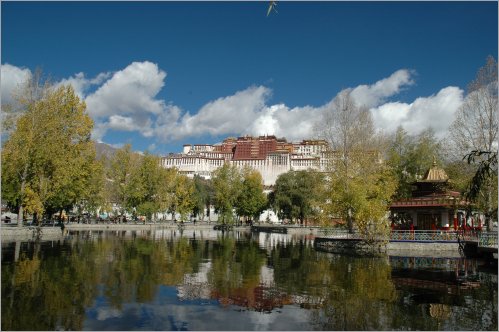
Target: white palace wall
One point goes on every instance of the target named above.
(203, 161)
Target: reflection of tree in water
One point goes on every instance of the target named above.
(48, 293)
(440, 311)
(235, 276)
(357, 295)
(53, 285)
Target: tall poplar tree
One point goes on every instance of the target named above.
(474, 134)
(47, 160)
(120, 174)
(251, 200)
(227, 187)
(359, 185)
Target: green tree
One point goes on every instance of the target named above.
(227, 185)
(251, 200)
(420, 155)
(94, 197)
(297, 195)
(410, 157)
(359, 184)
(166, 197)
(123, 165)
(474, 136)
(183, 199)
(202, 197)
(48, 157)
(145, 182)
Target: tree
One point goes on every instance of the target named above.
(296, 194)
(166, 196)
(94, 198)
(183, 200)
(16, 166)
(359, 185)
(123, 165)
(145, 182)
(420, 155)
(47, 159)
(227, 187)
(475, 124)
(203, 196)
(410, 157)
(252, 200)
(33, 89)
(474, 134)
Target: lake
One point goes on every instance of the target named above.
(209, 280)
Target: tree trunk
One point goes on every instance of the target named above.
(20, 215)
(488, 215)
(350, 221)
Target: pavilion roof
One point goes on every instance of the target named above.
(435, 174)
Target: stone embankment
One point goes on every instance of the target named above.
(406, 248)
(28, 233)
(292, 229)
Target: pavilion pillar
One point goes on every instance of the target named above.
(414, 217)
(445, 219)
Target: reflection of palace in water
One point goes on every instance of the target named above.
(270, 240)
(262, 296)
(440, 275)
(440, 279)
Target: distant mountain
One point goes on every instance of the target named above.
(104, 150)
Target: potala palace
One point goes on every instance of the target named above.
(269, 155)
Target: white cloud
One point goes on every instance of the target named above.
(129, 91)
(298, 123)
(436, 111)
(231, 114)
(246, 112)
(375, 94)
(12, 78)
(128, 101)
(295, 124)
(81, 84)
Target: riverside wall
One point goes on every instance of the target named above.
(393, 248)
(29, 233)
(343, 246)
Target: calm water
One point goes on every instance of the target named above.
(240, 281)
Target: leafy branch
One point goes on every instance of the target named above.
(487, 167)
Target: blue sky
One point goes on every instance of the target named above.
(162, 74)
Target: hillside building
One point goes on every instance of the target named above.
(269, 155)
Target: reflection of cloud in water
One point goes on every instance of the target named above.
(106, 312)
(195, 285)
(193, 316)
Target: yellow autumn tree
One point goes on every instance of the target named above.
(48, 158)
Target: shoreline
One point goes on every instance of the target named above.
(10, 233)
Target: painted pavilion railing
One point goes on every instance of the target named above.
(424, 235)
(397, 235)
(484, 239)
(487, 240)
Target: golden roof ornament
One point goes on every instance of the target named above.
(435, 173)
